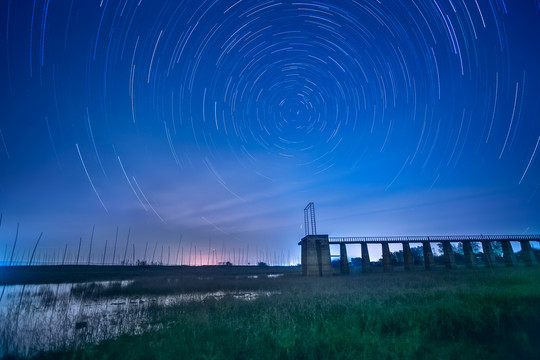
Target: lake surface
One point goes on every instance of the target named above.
(36, 318)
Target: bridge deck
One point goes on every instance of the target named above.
(430, 239)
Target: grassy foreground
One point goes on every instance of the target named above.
(465, 314)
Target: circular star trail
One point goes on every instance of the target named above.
(218, 118)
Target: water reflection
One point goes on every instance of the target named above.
(37, 318)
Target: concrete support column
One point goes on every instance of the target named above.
(344, 263)
(316, 255)
(527, 253)
(304, 251)
(449, 260)
(508, 253)
(468, 254)
(489, 256)
(429, 262)
(366, 263)
(387, 261)
(407, 257)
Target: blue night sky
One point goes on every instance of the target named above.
(216, 122)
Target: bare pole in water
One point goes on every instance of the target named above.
(64, 258)
(14, 244)
(79, 251)
(161, 258)
(91, 240)
(145, 248)
(104, 253)
(154, 254)
(127, 243)
(209, 247)
(222, 251)
(35, 247)
(115, 241)
(177, 252)
(133, 254)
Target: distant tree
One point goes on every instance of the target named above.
(262, 264)
(458, 252)
(536, 253)
(497, 248)
(457, 249)
(476, 247)
(356, 261)
(417, 253)
(397, 257)
(336, 263)
(141, 263)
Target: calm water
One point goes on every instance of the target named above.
(36, 318)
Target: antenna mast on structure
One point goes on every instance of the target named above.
(310, 226)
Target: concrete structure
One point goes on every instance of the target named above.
(316, 251)
(508, 253)
(527, 253)
(489, 256)
(316, 255)
(387, 261)
(344, 262)
(448, 255)
(429, 260)
(366, 263)
(468, 255)
(407, 257)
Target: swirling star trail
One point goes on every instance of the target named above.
(396, 117)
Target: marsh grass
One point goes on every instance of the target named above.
(464, 314)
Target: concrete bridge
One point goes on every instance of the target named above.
(316, 259)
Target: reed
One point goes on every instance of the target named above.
(424, 315)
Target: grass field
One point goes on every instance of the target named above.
(54, 274)
(457, 314)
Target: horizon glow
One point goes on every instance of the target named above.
(212, 124)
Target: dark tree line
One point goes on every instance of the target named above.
(417, 253)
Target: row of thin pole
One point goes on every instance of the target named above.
(238, 256)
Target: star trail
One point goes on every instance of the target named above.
(215, 122)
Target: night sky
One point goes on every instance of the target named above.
(212, 124)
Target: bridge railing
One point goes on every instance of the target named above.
(451, 238)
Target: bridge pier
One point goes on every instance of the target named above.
(316, 251)
(508, 253)
(386, 259)
(429, 261)
(489, 256)
(344, 263)
(407, 256)
(449, 260)
(527, 253)
(316, 255)
(366, 263)
(468, 254)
